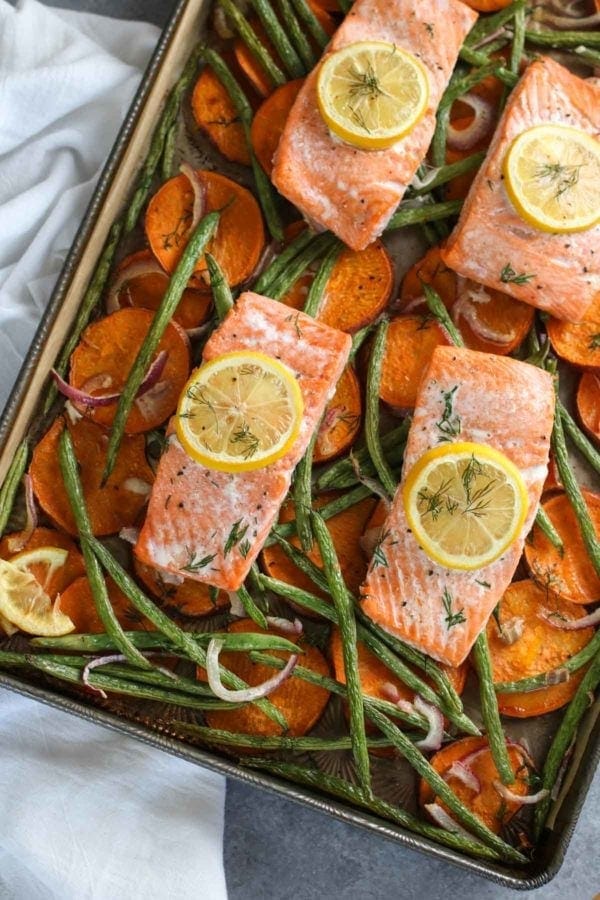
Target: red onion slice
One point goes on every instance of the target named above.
(90, 402)
(115, 658)
(136, 269)
(433, 738)
(465, 774)
(199, 188)
(372, 483)
(573, 624)
(483, 119)
(246, 695)
(511, 631)
(464, 307)
(525, 799)
(441, 818)
(295, 627)
(31, 519)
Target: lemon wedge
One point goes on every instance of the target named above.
(552, 176)
(24, 602)
(240, 411)
(41, 562)
(372, 93)
(465, 503)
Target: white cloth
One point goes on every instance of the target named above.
(86, 814)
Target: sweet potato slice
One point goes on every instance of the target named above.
(269, 122)
(77, 602)
(56, 582)
(409, 347)
(249, 64)
(578, 343)
(239, 241)
(572, 575)
(101, 362)
(342, 420)
(489, 320)
(541, 647)
(300, 702)
(215, 115)
(147, 291)
(115, 505)
(588, 403)
(190, 598)
(487, 805)
(345, 528)
(358, 289)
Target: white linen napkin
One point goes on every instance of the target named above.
(86, 814)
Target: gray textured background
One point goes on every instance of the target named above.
(276, 850)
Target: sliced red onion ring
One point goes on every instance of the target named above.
(31, 519)
(84, 399)
(557, 676)
(483, 119)
(295, 627)
(441, 818)
(390, 692)
(199, 188)
(433, 738)
(136, 269)
(512, 630)
(245, 695)
(467, 296)
(405, 706)
(465, 774)
(573, 624)
(419, 183)
(372, 483)
(524, 799)
(488, 38)
(566, 22)
(236, 607)
(115, 658)
(562, 770)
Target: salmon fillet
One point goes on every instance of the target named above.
(210, 525)
(490, 234)
(493, 400)
(354, 192)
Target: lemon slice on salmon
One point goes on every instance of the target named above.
(552, 176)
(24, 602)
(465, 503)
(240, 411)
(372, 93)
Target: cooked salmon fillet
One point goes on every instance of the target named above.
(493, 400)
(210, 525)
(562, 271)
(354, 192)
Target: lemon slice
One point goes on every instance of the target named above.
(41, 562)
(240, 411)
(25, 604)
(552, 175)
(465, 503)
(372, 93)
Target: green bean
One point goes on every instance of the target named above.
(319, 283)
(256, 47)
(446, 173)
(376, 453)
(320, 244)
(250, 607)
(152, 640)
(167, 168)
(259, 742)
(282, 44)
(573, 491)
(575, 39)
(266, 192)
(91, 298)
(297, 35)
(128, 688)
(408, 215)
(358, 339)
(487, 25)
(585, 447)
(69, 468)
(278, 266)
(489, 709)
(441, 789)
(333, 508)
(179, 638)
(518, 44)
(347, 626)
(310, 21)
(222, 296)
(336, 687)
(544, 523)
(478, 58)
(562, 740)
(437, 309)
(545, 679)
(11, 483)
(302, 494)
(342, 474)
(163, 315)
(320, 781)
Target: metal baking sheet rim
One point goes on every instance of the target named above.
(526, 878)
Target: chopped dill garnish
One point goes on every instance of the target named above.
(452, 618)
(509, 276)
(236, 534)
(449, 424)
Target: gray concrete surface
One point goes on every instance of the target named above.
(275, 850)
